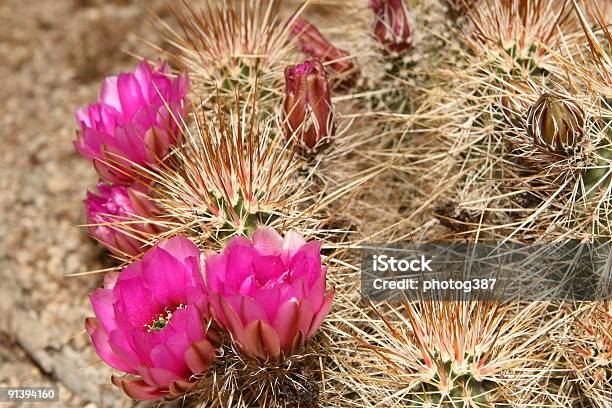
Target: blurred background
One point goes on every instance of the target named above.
(53, 56)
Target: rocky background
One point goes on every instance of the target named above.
(53, 57)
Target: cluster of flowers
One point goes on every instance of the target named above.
(136, 121)
(161, 318)
(131, 127)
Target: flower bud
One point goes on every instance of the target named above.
(392, 26)
(555, 122)
(313, 43)
(307, 110)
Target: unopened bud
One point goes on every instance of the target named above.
(307, 108)
(555, 122)
(392, 27)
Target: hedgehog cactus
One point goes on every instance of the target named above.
(231, 49)
(221, 181)
(590, 351)
(599, 175)
(451, 353)
(516, 36)
(492, 127)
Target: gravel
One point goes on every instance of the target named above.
(54, 55)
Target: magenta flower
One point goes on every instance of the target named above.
(392, 27)
(133, 123)
(114, 215)
(150, 322)
(269, 293)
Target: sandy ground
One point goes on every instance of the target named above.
(53, 56)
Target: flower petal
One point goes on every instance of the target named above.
(231, 318)
(158, 376)
(102, 304)
(137, 389)
(166, 277)
(214, 272)
(267, 241)
(130, 94)
(180, 247)
(286, 323)
(110, 278)
(322, 313)
(291, 244)
(199, 356)
(109, 94)
(101, 343)
(261, 340)
(157, 142)
(166, 354)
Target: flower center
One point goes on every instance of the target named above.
(161, 320)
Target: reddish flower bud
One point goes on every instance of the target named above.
(312, 42)
(392, 26)
(307, 109)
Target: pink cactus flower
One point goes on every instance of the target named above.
(150, 322)
(133, 123)
(113, 215)
(269, 293)
(313, 43)
(392, 27)
(307, 108)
